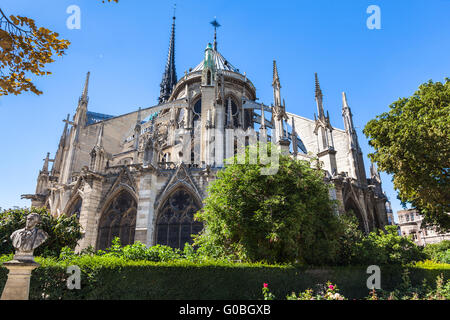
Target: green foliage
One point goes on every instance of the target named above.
(439, 251)
(137, 252)
(407, 291)
(404, 291)
(284, 217)
(389, 248)
(62, 231)
(380, 247)
(327, 292)
(110, 277)
(351, 238)
(266, 292)
(412, 143)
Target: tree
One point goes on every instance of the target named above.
(62, 232)
(412, 142)
(25, 49)
(285, 217)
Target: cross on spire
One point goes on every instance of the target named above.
(216, 25)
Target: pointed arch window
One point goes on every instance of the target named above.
(175, 223)
(75, 209)
(119, 220)
(197, 110)
(350, 206)
(208, 78)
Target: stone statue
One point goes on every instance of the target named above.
(24, 240)
(29, 238)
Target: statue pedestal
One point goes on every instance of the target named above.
(18, 284)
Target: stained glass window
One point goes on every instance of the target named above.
(119, 220)
(176, 223)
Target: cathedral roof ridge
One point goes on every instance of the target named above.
(100, 117)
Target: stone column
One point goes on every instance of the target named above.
(18, 284)
(145, 207)
(90, 212)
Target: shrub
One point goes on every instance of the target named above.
(62, 232)
(327, 292)
(284, 217)
(136, 252)
(439, 251)
(389, 248)
(380, 247)
(112, 277)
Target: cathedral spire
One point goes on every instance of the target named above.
(84, 96)
(79, 118)
(263, 118)
(99, 142)
(276, 85)
(62, 141)
(319, 98)
(169, 79)
(46, 161)
(347, 114)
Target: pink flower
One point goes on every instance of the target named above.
(265, 285)
(331, 287)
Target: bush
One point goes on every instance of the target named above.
(111, 277)
(137, 252)
(63, 231)
(284, 217)
(439, 251)
(405, 291)
(380, 247)
(388, 248)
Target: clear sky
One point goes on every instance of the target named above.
(125, 46)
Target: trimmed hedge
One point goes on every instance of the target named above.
(116, 278)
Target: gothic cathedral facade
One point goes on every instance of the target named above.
(141, 176)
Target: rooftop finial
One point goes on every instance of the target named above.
(99, 142)
(276, 85)
(46, 161)
(318, 90)
(276, 78)
(319, 98)
(84, 96)
(215, 24)
(344, 101)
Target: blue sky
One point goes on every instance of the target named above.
(125, 47)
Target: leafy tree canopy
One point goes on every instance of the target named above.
(285, 217)
(25, 49)
(412, 142)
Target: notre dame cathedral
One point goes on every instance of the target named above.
(142, 175)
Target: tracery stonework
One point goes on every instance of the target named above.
(134, 177)
(119, 220)
(175, 223)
